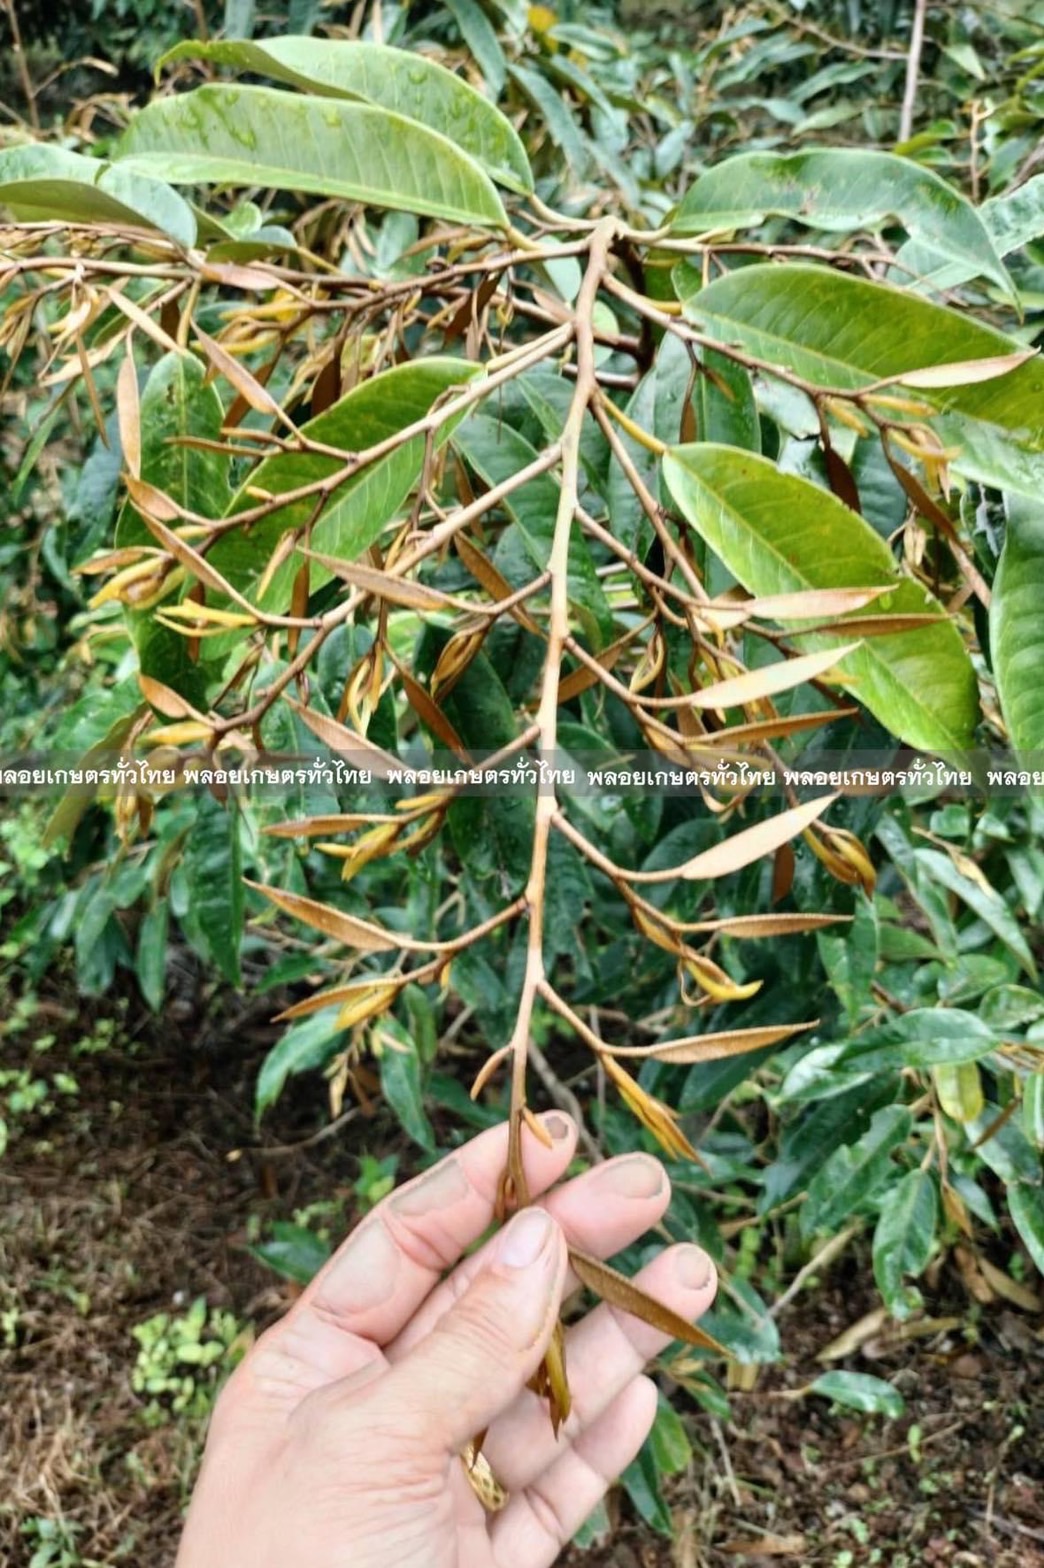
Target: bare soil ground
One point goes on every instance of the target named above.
(130, 1200)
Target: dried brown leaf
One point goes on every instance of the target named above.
(619, 1291)
(713, 1047)
(349, 929)
(753, 842)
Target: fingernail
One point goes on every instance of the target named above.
(436, 1189)
(363, 1273)
(638, 1176)
(557, 1126)
(525, 1239)
(693, 1267)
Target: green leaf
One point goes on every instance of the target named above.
(990, 907)
(859, 1391)
(1017, 626)
(224, 135)
(838, 331)
(656, 406)
(855, 1174)
(294, 1251)
(402, 1087)
(357, 510)
(778, 533)
(408, 83)
(727, 411)
(671, 1448)
(177, 401)
(555, 115)
(151, 958)
(849, 956)
(1026, 1206)
(307, 1044)
(41, 182)
(212, 863)
(480, 36)
(842, 189)
(904, 1237)
(641, 1482)
(496, 452)
(923, 1037)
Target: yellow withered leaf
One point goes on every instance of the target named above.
(550, 1382)
(959, 1090)
(455, 658)
(184, 734)
(712, 979)
(754, 842)
(196, 615)
(379, 841)
(844, 856)
(141, 585)
(334, 923)
(349, 996)
(370, 1000)
(653, 1114)
(622, 1292)
(654, 930)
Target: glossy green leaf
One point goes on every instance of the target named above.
(555, 115)
(854, 1175)
(1033, 1109)
(1007, 1151)
(357, 510)
(408, 83)
(43, 183)
(860, 1391)
(921, 1037)
(671, 1448)
(841, 189)
(780, 534)
(305, 1045)
(151, 957)
(726, 409)
(988, 904)
(1026, 1206)
(293, 1251)
(177, 401)
(212, 864)
(839, 331)
(496, 452)
(480, 36)
(1017, 627)
(904, 1236)
(641, 1481)
(251, 136)
(402, 1087)
(1013, 219)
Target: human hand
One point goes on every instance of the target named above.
(336, 1441)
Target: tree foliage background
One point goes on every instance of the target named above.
(404, 386)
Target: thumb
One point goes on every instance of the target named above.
(481, 1353)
